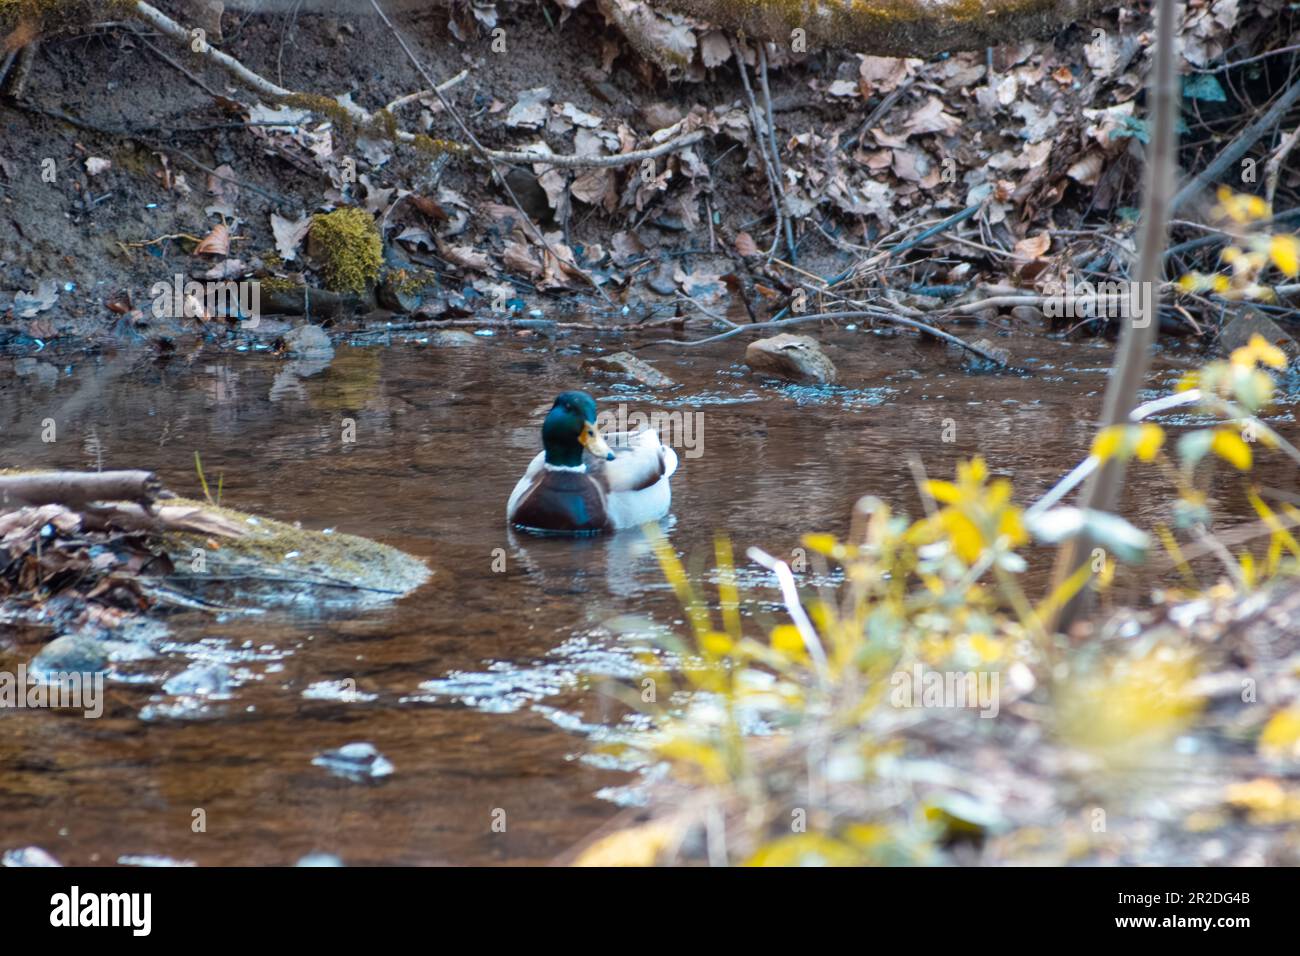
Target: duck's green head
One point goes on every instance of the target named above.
(570, 426)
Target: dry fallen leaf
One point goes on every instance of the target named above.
(216, 243)
(1087, 170)
(289, 235)
(745, 244)
(518, 258)
(467, 257)
(1033, 247)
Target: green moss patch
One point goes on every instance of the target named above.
(348, 247)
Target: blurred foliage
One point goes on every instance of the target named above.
(1250, 255)
(795, 747)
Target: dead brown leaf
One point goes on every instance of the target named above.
(216, 243)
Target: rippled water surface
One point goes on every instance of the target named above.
(479, 687)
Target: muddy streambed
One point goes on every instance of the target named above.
(478, 687)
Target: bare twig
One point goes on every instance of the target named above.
(756, 122)
(443, 87)
(1103, 488)
(596, 162)
(1242, 142)
(776, 152)
(880, 112)
(1273, 168)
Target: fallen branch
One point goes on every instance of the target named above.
(879, 315)
(75, 489)
(596, 162)
(190, 519)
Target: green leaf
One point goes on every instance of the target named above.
(1134, 127)
(1204, 86)
(1194, 446)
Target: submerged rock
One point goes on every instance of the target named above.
(797, 358)
(628, 366)
(308, 341)
(71, 654)
(975, 363)
(1251, 322)
(355, 761)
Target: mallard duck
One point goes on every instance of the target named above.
(583, 482)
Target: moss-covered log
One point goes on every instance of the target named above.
(888, 27)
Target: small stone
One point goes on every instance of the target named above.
(797, 358)
(662, 282)
(71, 654)
(628, 366)
(355, 761)
(528, 190)
(200, 680)
(1029, 314)
(1244, 326)
(660, 115)
(669, 223)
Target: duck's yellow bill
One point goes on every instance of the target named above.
(594, 443)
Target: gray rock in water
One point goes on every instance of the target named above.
(355, 761)
(1244, 326)
(797, 358)
(628, 366)
(974, 363)
(308, 340)
(71, 654)
(454, 339)
(201, 679)
(28, 856)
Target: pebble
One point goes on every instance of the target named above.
(355, 761)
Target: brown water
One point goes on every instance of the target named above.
(441, 437)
